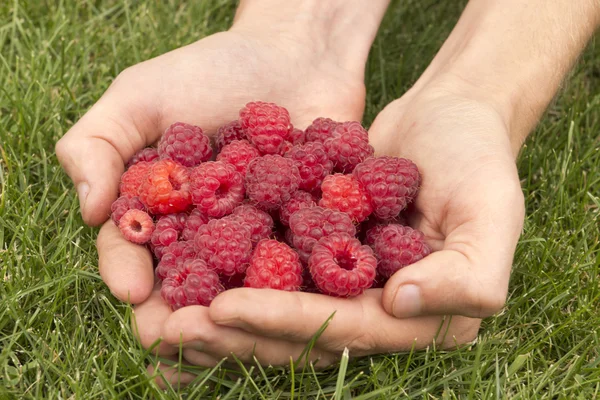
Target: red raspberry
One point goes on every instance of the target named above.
(299, 200)
(348, 146)
(320, 130)
(192, 284)
(174, 256)
(166, 188)
(239, 153)
(311, 224)
(391, 183)
(297, 137)
(225, 245)
(230, 132)
(133, 178)
(185, 144)
(259, 222)
(341, 266)
(123, 204)
(136, 226)
(397, 246)
(217, 188)
(148, 154)
(168, 229)
(372, 227)
(313, 164)
(271, 180)
(274, 265)
(344, 193)
(192, 223)
(267, 125)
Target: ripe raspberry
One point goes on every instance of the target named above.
(239, 153)
(228, 133)
(148, 154)
(391, 183)
(271, 180)
(313, 164)
(192, 284)
(344, 193)
(193, 221)
(259, 222)
(397, 246)
(348, 146)
(185, 144)
(267, 125)
(274, 265)
(299, 200)
(123, 204)
(174, 256)
(168, 229)
(133, 178)
(320, 130)
(217, 188)
(341, 266)
(372, 227)
(311, 224)
(297, 137)
(166, 188)
(136, 226)
(225, 245)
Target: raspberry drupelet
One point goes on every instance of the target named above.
(192, 223)
(185, 144)
(274, 265)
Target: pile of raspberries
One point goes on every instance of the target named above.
(273, 207)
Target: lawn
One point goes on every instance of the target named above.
(62, 334)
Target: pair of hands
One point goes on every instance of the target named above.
(470, 206)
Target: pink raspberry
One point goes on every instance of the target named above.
(192, 284)
(185, 144)
(348, 146)
(136, 226)
(192, 223)
(166, 188)
(168, 229)
(271, 180)
(309, 225)
(274, 265)
(239, 153)
(228, 133)
(225, 245)
(372, 227)
(391, 183)
(299, 200)
(217, 188)
(344, 193)
(123, 204)
(397, 246)
(148, 154)
(313, 164)
(133, 178)
(320, 130)
(174, 256)
(259, 222)
(297, 137)
(341, 266)
(267, 125)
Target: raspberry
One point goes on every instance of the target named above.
(185, 144)
(239, 153)
(372, 227)
(397, 246)
(228, 133)
(267, 125)
(274, 265)
(133, 178)
(311, 224)
(192, 284)
(136, 226)
(225, 245)
(259, 222)
(192, 223)
(341, 266)
(313, 164)
(344, 193)
(348, 146)
(148, 154)
(174, 256)
(123, 204)
(217, 188)
(299, 200)
(320, 130)
(168, 229)
(391, 183)
(271, 180)
(166, 188)
(297, 137)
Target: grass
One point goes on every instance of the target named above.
(62, 335)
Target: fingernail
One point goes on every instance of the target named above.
(195, 345)
(83, 189)
(407, 302)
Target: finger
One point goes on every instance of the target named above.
(166, 375)
(125, 267)
(148, 319)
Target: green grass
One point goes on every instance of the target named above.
(62, 335)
